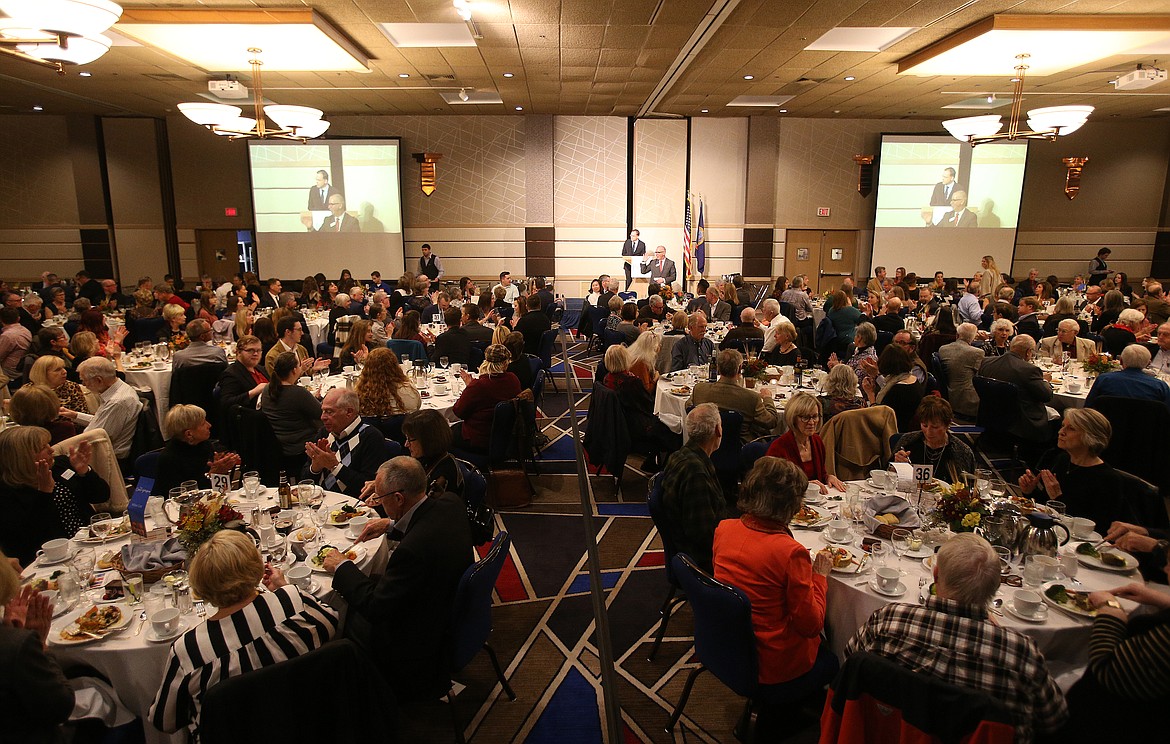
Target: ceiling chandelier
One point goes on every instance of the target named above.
(1043, 123)
(292, 122)
(55, 33)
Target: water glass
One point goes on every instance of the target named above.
(1033, 571)
(900, 540)
(133, 587)
(1069, 565)
(1058, 508)
(189, 485)
(879, 553)
(100, 525)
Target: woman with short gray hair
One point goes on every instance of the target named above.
(190, 453)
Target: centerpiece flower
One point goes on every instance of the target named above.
(1100, 363)
(203, 518)
(959, 508)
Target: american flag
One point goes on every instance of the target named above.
(687, 238)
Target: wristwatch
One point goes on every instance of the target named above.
(1161, 545)
(1113, 603)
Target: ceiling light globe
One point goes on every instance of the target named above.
(312, 129)
(83, 17)
(974, 126)
(78, 50)
(210, 114)
(233, 127)
(287, 117)
(1067, 119)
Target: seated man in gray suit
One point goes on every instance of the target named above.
(961, 361)
(759, 413)
(1016, 367)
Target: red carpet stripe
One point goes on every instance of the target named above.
(652, 558)
(509, 586)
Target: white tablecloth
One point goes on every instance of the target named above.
(158, 380)
(135, 665)
(317, 328)
(442, 403)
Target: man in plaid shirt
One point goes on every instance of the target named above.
(692, 498)
(953, 639)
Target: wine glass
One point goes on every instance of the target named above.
(900, 540)
(444, 362)
(100, 525)
(879, 553)
(164, 352)
(84, 563)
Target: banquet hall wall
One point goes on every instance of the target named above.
(550, 195)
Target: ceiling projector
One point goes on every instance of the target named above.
(227, 88)
(1142, 77)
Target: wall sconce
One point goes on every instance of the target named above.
(864, 173)
(426, 170)
(1072, 177)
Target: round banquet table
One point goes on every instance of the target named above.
(135, 665)
(318, 324)
(1062, 638)
(432, 398)
(157, 380)
(671, 407)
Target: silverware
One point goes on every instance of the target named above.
(861, 564)
(141, 622)
(995, 605)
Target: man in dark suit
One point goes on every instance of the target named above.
(453, 343)
(941, 196)
(746, 334)
(632, 247)
(472, 316)
(348, 451)
(1016, 367)
(959, 216)
(270, 297)
(610, 285)
(716, 308)
(403, 617)
(88, 288)
(338, 221)
(532, 325)
(662, 271)
(320, 193)
(112, 298)
(1028, 322)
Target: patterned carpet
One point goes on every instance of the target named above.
(544, 626)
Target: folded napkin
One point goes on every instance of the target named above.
(222, 326)
(888, 504)
(149, 556)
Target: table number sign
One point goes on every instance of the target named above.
(137, 506)
(923, 474)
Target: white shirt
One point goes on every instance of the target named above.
(117, 415)
(511, 292)
(770, 331)
(1161, 362)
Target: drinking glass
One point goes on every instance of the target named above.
(879, 553)
(900, 540)
(189, 485)
(164, 352)
(1058, 508)
(133, 586)
(982, 481)
(1069, 565)
(444, 362)
(277, 550)
(83, 563)
(1033, 571)
(251, 484)
(305, 494)
(997, 489)
(100, 525)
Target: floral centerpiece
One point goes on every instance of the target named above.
(178, 341)
(959, 508)
(1099, 363)
(203, 518)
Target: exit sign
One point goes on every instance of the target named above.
(822, 211)
(229, 211)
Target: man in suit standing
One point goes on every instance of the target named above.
(961, 361)
(319, 194)
(348, 451)
(959, 216)
(338, 221)
(1034, 390)
(662, 270)
(403, 617)
(941, 196)
(632, 247)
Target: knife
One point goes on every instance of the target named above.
(861, 565)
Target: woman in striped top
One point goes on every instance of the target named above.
(249, 631)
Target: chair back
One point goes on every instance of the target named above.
(538, 387)
(628, 296)
(142, 329)
(475, 355)
(662, 361)
(548, 341)
(104, 463)
(390, 426)
(365, 698)
(535, 363)
(507, 442)
(596, 317)
(939, 370)
(406, 348)
(146, 465)
(999, 404)
(574, 308)
(884, 339)
(658, 516)
(324, 350)
(472, 613)
(753, 451)
(474, 484)
(607, 437)
(1144, 501)
(1131, 448)
(258, 449)
(788, 310)
(392, 449)
(859, 440)
(611, 338)
(726, 458)
(194, 384)
(725, 641)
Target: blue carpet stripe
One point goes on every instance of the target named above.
(609, 580)
(623, 510)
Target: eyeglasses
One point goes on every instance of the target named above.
(378, 498)
(808, 419)
(249, 350)
(408, 440)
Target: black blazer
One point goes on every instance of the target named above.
(454, 343)
(366, 456)
(403, 617)
(234, 385)
(532, 326)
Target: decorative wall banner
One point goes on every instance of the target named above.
(864, 173)
(1072, 177)
(426, 170)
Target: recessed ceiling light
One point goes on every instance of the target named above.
(38, 108)
(749, 77)
(404, 74)
(704, 111)
(849, 78)
(509, 74)
(784, 111)
(519, 108)
(837, 111)
(84, 74)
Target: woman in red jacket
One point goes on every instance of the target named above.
(801, 445)
(477, 405)
(758, 554)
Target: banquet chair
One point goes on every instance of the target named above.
(874, 699)
(999, 409)
(548, 341)
(142, 329)
(725, 645)
(673, 597)
(390, 426)
(596, 319)
(258, 448)
(475, 355)
(753, 451)
(726, 458)
(195, 384)
(1131, 448)
(474, 484)
(104, 463)
(406, 348)
(360, 692)
(607, 436)
(884, 339)
(146, 465)
(538, 387)
(574, 309)
(788, 310)
(472, 618)
(1144, 501)
(939, 370)
(662, 361)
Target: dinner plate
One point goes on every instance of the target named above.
(824, 516)
(1040, 617)
(154, 637)
(899, 590)
(1066, 607)
(1130, 562)
(70, 617)
(847, 540)
(362, 511)
(358, 550)
(928, 562)
(120, 531)
(849, 568)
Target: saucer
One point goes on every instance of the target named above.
(154, 637)
(923, 552)
(844, 540)
(1092, 537)
(898, 590)
(1039, 617)
(43, 562)
(313, 588)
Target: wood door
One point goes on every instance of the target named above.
(838, 258)
(802, 255)
(217, 253)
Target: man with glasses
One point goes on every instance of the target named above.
(348, 451)
(290, 333)
(403, 617)
(244, 379)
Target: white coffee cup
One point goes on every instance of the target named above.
(349, 368)
(838, 529)
(357, 524)
(160, 365)
(54, 550)
(879, 478)
(440, 388)
(300, 576)
(1082, 526)
(1048, 565)
(165, 621)
(1074, 386)
(887, 578)
(1027, 601)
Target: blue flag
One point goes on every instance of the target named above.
(700, 241)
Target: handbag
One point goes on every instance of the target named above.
(509, 488)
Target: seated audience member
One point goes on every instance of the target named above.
(520, 365)
(119, 405)
(962, 361)
(174, 328)
(403, 617)
(82, 346)
(610, 322)
(799, 299)
(746, 335)
(15, 340)
(692, 499)
(476, 405)
(655, 311)
(890, 319)
(1160, 351)
(383, 388)
(757, 554)
(785, 352)
(678, 324)
(943, 332)
(694, 348)
(952, 638)
(1034, 390)
(1028, 322)
(933, 443)
(289, 332)
(454, 343)
(243, 320)
(532, 325)
(34, 487)
(772, 318)
(728, 392)
(646, 429)
(864, 338)
(428, 437)
(1065, 308)
(359, 344)
(357, 301)
(841, 392)
(802, 445)
(32, 313)
(1124, 332)
(1002, 330)
(627, 328)
(716, 308)
(37, 405)
(410, 328)
(1157, 307)
(472, 324)
(200, 350)
(1111, 306)
(55, 303)
(1075, 474)
(1066, 341)
(248, 630)
(190, 453)
(52, 372)
(292, 412)
(347, 451)
(1131, 381)
(643, 358)
(243, 380)
(35, 697)
(339, 310)
(900, 390)
(378, 319)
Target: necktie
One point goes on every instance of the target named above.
(395, 535)
(947, 191)
(322, 196)
(660, 263)
(337, 223)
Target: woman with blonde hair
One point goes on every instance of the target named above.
(245, 319)
(501, 333)
(173, 331)
(190, 453)
(358, 345)
(802, 445)
(383, 389)
(82, 346)
(991, 278)
(51, 372)
(38, 405)
(643, 358)
(247, 631)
